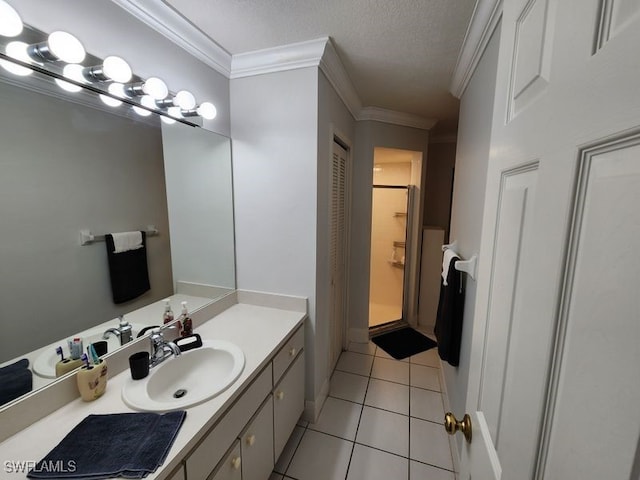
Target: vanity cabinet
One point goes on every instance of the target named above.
(230, 467)
(256, 444)
(178, 474)
(249, 437)
(288, 404)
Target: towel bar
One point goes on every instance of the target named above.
(87, 238)
(467, 266)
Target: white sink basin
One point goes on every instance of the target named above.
(187, 380)
(45, 364)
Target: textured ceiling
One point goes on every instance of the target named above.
(400, 54)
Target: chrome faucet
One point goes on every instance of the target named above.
(124, 331)
(160, 348)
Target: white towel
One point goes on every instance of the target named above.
(125, 241)
(446, 261)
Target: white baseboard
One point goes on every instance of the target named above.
(312, 407)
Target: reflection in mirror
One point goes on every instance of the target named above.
(70, 165)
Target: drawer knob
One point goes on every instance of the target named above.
(292, 352)
(236, 462)
(251, 439)
(280, 395)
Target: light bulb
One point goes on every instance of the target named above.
(155, 88)
(207, 110)
(141, 111)
(116, 69)
(73, 72)
(66, 47)
(17, 50)
(10, 21)
(185, 100)
(167, 120)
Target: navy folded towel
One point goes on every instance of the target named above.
(128, 445)
(15, 380)
(128, 271)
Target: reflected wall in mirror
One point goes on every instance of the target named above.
(69, 166)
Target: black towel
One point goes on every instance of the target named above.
(448, 327)
(128, 271)
(128, 445)
(15, 380)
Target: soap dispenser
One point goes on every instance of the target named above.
(167, 317)
(187, 323)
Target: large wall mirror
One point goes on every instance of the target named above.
(69, 163)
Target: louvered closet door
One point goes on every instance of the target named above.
(337, 249)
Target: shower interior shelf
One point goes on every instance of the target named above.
(399, 244)
(400, 214)
(395, 263)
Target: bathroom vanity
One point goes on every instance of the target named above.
(238, 434)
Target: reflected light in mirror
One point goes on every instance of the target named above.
(73, 72)
(17, 50)
(10, 21)
(148, 102)
(116, 89)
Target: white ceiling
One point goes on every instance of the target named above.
(399, 54)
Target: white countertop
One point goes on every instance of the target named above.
(258, 331)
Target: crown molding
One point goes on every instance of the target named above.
(396, 118)
(485, 18)
(278, 59)
(169, 23)
(334, 70)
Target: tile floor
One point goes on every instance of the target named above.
(381, 421)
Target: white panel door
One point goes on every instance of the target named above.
(554, 367)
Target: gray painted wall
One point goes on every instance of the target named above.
(275, 135)
(474, 136)
(67, 167)
(437, 203)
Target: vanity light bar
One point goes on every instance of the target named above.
(61, 54)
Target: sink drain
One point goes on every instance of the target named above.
(180, 393)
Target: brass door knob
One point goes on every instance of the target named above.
(452, 425)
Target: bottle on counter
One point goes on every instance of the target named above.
(167, 316)
(187, 323)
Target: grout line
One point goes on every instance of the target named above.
(366, 390)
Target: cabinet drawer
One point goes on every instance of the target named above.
(256, 444)
(288, 404)
(205, 456)
(287, 354)
(230, 467)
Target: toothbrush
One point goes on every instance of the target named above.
(94, 356)
(60, 352)
(85, 359)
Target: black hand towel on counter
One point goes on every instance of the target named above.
(128, 271)
(448, 328)
(128, 445)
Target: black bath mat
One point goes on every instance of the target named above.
(403, 343)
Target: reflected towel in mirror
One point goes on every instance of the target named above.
(128, 270)
(15, 380)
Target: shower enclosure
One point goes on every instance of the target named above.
(390, 222)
